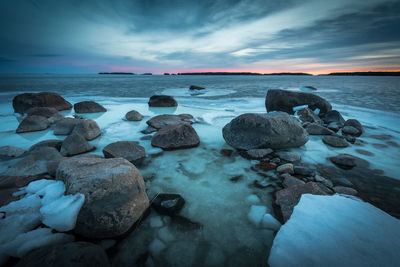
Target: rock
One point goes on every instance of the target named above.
(288, 167)
(161, 121)
(194, 87)
(88, 129)
(282, 100)
(311, 87)
(350, 130)
(288, 198)
(257, 153)
(323, 180)
(162, 101)
(168, 204)
(349, 138)
(7, 152)
(226, 152)
(52, 166)
(32, 124)
(115, 194)
(341, 181)
(149, 130)
(275, 130)
(23, 102)
(184, 224)
(335, 141)
(316, 129)
(291, 181)
(133, 115)
(88, 107)
(288, 156)
(345, 190)
(356, 124)
(47, 143)
(176, 136)
(365, 152)
(75, 144)
(50, 113)
(307, 115)
(333, 116)
(265, 166)
(65, 126)
(77, 254)
(334, 126)
(301, 170)
(35, 162)
(129, 150)
(344, 161)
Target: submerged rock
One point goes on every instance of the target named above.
(288, 198)
(7, 152)
(282, 100)
(316, 129)
(88, 129)
(288, 156)
(168, 204)
(176, 136)
(275, 130)
(333, 116)
(287, 168)
(69, 254)
(115, 194)
(195, 87)
(162, 101)
(75, 144)
(345, 190)
(33, 123)
(350, 130)
(257, 153)
(345, 161)
(133, 115)
(289, 180)
(129, 150)
(163, 120)
(23, 102)
(65, 126)
(88, 107)
(335, 141)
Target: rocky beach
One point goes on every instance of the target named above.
(199, 171)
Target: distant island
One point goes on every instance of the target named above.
(240, 73)
(366, 73)
(118, 73)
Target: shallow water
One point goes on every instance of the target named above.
(202, 175)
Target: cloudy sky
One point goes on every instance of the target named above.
(87, 36)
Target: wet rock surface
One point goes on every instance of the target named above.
(129, 150)
(335, 141)
(161, 121)
(177, 136)
(162, 101)
(65, 126)
(23, 102)
(133, 115)
(75, 144)
(168, 204)
(88, 129)
(88, 107)
(32, 124)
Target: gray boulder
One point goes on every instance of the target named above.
(88, 129)
(32, 124)
(129, 150)
(282, 100)
(176, 136)
(307, 115)
(47, 143)
(275, 130)
(350, 130)
(344, 161)
(65, 126)
(333, 116)
(163, 120)
(289, 180)
(316, 129)
(162, 101)
(335, 141)
(356, 124)
(7, 152)
(88, 107)
(51, 114)
(115, 194)
(23, 102)
(133, 115)
(75, 144)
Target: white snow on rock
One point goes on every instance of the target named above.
(336, 231)
(43, 202)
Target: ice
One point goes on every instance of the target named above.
(336, 231)
(269, 222)
(156, 246)
(51, 192)
(316, 111)
(297, 108)
(253, 199)
(165, 235)
(27, 204)
(61, 214)
(38, 185)
(156, 222)
(256, 214)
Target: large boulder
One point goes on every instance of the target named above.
(316, 129)
(23, 102)
(47, 143)
(333, 116)
(276, 130)
(51, 114)
(88, 129)
(115, 194)
(76, 254)
(163, 120)
(129, 150)
(176, 136)
(162, 101)
(75, 144)
(133, 115)
(354, 123)
(88, 107)
(65, 126)
(32, 124)
(282, 100)
(34, 162)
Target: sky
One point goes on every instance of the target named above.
(89, 36)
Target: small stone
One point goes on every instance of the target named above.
(289, 157)
(168, 204)
(291, 181)
(344, 160)
(88, 129)
(341, 181)
(301, 170)
(133, 115)
(335, 141)
(195, 87)
(257, 153)
(288, 167)
(226, 152)
(323, 180)
(265, 166)
(345, 190)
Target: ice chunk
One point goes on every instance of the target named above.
(297, 108)
(256, 214)
(165, 235)
(36, 186)
(269, 222)
(156, 246)
(156, 222)
(51, 192)
(253, 199)
(61, 214)
(15, 224)
(316, 111)
(336, 231)
(27, 204)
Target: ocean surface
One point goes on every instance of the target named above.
(202, 175)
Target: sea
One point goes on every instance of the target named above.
(219, 190)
